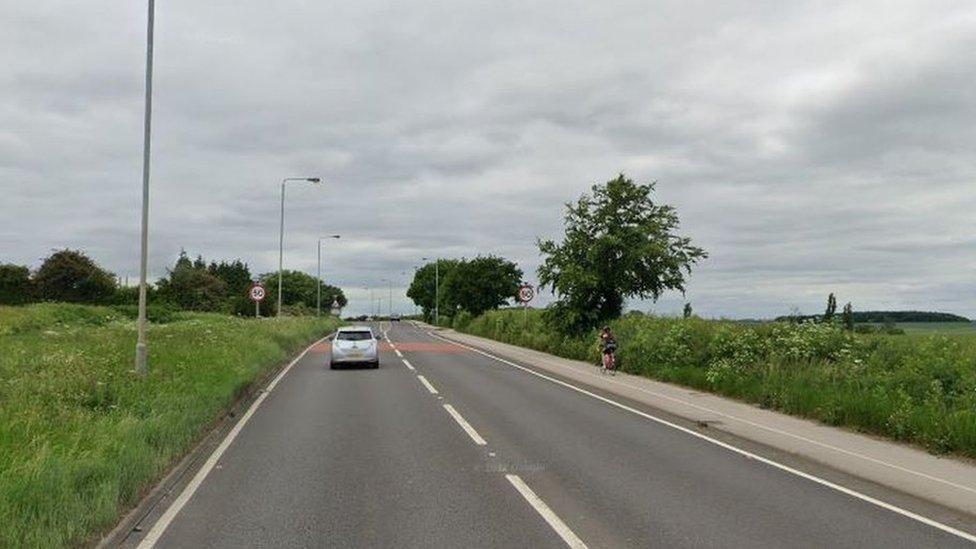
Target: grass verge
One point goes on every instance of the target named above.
(916, 388)
(82, 438)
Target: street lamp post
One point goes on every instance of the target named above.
(281, 232)
(318, 296)
(142, 347)
(402, 275)
(390, 282)
(437, 289)
(416, 311)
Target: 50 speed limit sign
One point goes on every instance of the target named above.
(525, 293)
(257, 293)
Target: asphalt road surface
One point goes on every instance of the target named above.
(445, 447)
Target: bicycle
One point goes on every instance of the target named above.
(609, 361)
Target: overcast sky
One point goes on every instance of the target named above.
(808, 146)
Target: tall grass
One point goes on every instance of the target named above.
(916, 388)
(81, 437)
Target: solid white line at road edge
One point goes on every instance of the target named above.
(853, 493)
(167, 517)
(465, 425)
(571, 539)
(427, 384)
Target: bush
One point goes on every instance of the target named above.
(461, 320)
(71, 276)
(193, 289)
(15, 285)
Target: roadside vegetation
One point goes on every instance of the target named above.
(82, 438)
(70, 276)
(918, 388)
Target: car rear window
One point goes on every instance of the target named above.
(354, 336)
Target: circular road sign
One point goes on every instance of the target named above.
(525, 293)
(257, 293)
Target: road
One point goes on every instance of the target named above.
(446, 447)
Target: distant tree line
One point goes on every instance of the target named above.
(881, 317)
(190, 284)
(65, 275)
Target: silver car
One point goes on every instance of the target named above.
(353, 345)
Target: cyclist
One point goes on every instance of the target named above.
(608, 348)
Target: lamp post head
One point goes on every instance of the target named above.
(313, 180)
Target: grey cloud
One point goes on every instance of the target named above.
(809, 148)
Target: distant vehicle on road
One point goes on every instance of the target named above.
(395, 317)
(355, 345)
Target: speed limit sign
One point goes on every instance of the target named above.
(257, 293)
(525, 293)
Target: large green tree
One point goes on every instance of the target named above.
(618, 244)
(299, 291)
(189, 286)
(422, 287)
(480, 284)
(235, 275)
(15, 284)
(72, 276)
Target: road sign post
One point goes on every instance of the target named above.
(257, 293)
(525, 294)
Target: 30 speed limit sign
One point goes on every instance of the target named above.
(257, 293)
(525, 293)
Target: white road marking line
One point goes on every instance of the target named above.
(780, 432)
(398, 353)
(408, 365)
(427, 384)
(786, 468)
(465, 425)
(571, 539)
(785, 433)
(167, 517)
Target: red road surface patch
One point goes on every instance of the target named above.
(428, 347)
(326, 346)
(321, 347)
